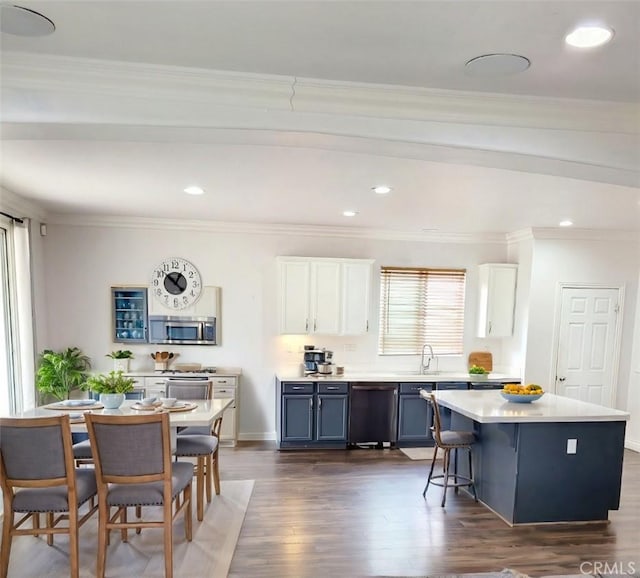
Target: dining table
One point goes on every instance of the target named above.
(196, 413)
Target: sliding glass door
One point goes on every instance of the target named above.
(7, 344)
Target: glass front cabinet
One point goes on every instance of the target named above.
(129, 306)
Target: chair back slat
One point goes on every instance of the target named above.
(189, 389)
(436, 428)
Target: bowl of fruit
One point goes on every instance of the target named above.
(516, 393)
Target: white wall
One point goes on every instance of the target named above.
(633, 396)
(82, 263)
(578, 261)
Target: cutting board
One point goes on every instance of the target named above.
(482, 359)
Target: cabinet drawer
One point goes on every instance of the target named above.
(452, 385)
(415, 387)
(155, 382)
(485, 385)
(297, 388)
(333, 388)
(227, 380)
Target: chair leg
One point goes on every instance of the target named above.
(35, 520)
(103, 515)
(473, 484)
(188, 514)
(433, 463)
(123, 520)
(168, 539)
(200, 488)
(216, 473)
(73, 541)
(138, 515)
(447, 459)
(455, 470)
(50, 525)
(208, 482)
(7, 537)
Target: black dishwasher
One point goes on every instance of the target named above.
(372, 413)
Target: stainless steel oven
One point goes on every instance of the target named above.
(183, 330)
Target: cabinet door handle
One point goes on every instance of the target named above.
(315, 324)
(306, 325)
(367, 327)
(310, 404)
(489, 326)
(222, 381)
(298, 387)
(332, 387)
(222, 391)
(319, 402)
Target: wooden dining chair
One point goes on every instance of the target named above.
(199, 442)
(82, 447)
(448, 440)
(37, 475)
(132, 456)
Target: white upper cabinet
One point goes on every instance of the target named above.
(324, 296)
(356, 291)
(497, 299)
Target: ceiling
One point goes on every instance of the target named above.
(288, 113)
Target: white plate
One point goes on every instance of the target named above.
(78, 402)
(176, 405)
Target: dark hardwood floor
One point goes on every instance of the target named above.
(361, 513)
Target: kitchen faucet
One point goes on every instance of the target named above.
(426, 366)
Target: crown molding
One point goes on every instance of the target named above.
(242, 228)
(571, 234)
(19, 206)
(222, 88)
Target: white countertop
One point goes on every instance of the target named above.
(488, 406)
(404, 377)
(219, 372)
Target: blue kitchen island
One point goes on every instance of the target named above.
(550, 461)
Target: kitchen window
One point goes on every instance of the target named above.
(419, 306)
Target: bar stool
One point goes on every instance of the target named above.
(448, 440)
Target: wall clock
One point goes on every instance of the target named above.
(176, 283)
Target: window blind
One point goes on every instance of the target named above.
(419, 306)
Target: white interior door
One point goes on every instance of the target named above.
(587, 344)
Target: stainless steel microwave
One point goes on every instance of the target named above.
(183, 330)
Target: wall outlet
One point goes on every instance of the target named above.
(572, 446)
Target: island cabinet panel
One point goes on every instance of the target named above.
(525, 475)
(312, 414)
(415, 416)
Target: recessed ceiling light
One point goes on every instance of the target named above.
(349, 213)
(24, 22)
(497, 64)
(194, 191)
(382, 189)
(565, 223)
(589, 36)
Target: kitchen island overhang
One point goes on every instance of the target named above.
(524, 465)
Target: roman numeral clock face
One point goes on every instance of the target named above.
(176, 283)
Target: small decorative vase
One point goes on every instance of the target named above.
(121, 365)
(112, 400)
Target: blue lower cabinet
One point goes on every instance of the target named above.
(313, 415)
(414, 416)
(331, 417)
(297, 418)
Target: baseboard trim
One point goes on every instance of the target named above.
(632, 445)
(256, 437)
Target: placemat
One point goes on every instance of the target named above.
(60, 406)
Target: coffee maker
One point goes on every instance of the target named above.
(315, 359)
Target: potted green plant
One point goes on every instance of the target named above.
(478, 372)
(60, 372)
(111, 387)
(121, 359)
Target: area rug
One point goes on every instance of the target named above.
(420, 453)
(208, 555)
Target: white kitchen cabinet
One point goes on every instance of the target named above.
(324, 296)
(497, 299)
(356, 301)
